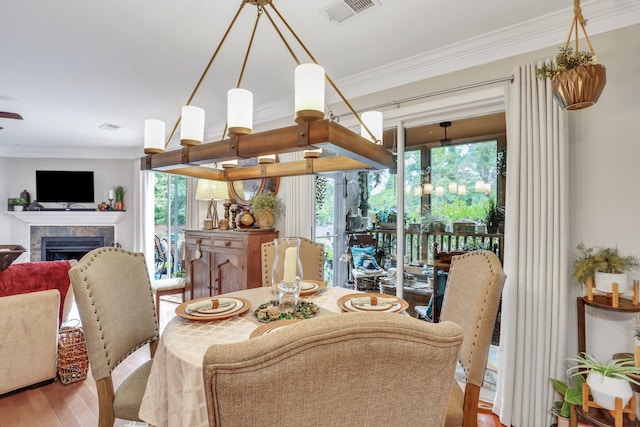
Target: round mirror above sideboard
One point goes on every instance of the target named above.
(244, 191)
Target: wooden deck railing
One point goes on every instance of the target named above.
(419, 245)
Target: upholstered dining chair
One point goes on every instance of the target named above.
(347, 369)
(472, 300)
(118, 315)
(311, 257)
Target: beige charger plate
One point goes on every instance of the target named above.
(268, 327)
(342, 302)
(307, 292)
(181, 310)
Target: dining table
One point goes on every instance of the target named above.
(175, 394)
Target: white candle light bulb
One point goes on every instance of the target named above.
(290, 263)
(110, 194)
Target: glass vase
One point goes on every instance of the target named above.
(286, 273)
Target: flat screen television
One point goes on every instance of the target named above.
(68, 187)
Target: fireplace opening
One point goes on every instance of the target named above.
(68, 247)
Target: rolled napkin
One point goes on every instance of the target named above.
(373, 301)
(209, 304)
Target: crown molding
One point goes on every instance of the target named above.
(529, 36)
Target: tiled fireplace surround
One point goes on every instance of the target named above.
(65, 242)
(69, 234)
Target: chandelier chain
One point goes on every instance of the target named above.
(206, 70)
(329, 79)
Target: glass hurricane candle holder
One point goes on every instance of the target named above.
(286, 273)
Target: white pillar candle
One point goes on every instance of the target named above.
(110, 194)
(290, 263)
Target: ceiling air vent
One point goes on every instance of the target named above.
(109, 126)
(341, 10)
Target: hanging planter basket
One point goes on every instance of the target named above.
(579, 87)
(577, 78)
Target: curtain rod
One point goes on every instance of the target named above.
(440, 92)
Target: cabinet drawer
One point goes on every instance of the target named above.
(193, 239)
(228, 243)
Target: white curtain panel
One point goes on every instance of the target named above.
(192, 210)
(298, 195)
(144, 221)
(533, 336)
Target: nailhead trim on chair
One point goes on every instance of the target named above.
(492, 271)
(97, 317)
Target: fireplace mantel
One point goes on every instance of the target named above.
(69, 217)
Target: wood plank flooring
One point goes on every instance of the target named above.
(76, 404)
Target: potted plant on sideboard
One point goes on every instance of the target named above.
(266, 207)
(603, 265)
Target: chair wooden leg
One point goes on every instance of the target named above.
(470, 405)
(104, 387)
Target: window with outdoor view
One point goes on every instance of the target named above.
(170, 215)
(464, 184)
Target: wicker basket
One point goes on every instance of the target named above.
(73, 362)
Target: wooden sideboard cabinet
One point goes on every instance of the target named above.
(218, 262)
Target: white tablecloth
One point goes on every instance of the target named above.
(175, 392)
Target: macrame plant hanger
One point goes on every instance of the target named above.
(581, 86)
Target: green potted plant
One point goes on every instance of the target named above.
(494, 217)
(266, 206)
(571, 393)
(603, 265)
(18, 203)
(119, 192)
(606, 381)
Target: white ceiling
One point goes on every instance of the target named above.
(69, 66)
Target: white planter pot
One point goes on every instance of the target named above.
(605, 390)
(18, 208)
(605, 280)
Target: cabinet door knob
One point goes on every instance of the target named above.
(227, 243)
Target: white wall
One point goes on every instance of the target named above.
(5, 179)
(18, 174)
(604, 157)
